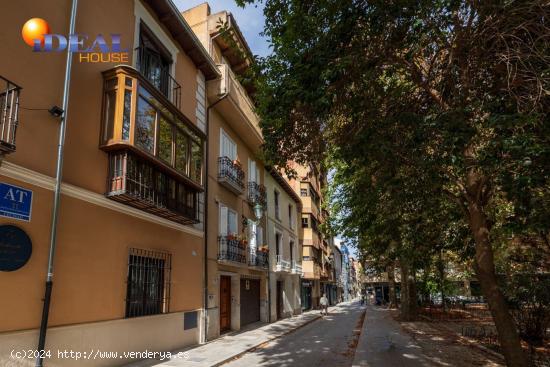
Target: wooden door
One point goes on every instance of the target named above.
(225, 303)
(279, 300)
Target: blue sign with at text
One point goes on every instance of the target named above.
(15, 202)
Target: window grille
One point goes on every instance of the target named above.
(148, 284)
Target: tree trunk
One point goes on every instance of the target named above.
(409, 307)
(485, 268)
(391, 281)
(404, 310)
(441, 271)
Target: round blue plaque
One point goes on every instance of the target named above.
(15, 248)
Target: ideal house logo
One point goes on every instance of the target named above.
(36, 33)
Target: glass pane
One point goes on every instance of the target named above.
(165, 140)
(196, 162)
(144, 93)
(127, 114)
(110, 104)
(111, 83)
(182, 145)
(145, 125)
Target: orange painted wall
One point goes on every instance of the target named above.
(93, 241)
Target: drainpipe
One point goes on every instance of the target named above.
(57, 194)
(223, 96)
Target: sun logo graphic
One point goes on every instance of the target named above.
(34, 30)
(36, 33)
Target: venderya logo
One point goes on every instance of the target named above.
(36, 33)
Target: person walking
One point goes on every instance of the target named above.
(324, 304)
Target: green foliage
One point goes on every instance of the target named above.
(427, 112)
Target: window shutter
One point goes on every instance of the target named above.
(222, 143)
(232, 220)
(223, 220)
(259, 236)
(258, 175)
(233, 149)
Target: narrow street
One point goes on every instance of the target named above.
(329, 341)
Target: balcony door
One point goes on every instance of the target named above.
(154, 60)
(228, 148)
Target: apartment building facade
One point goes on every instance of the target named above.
(130, 238)
(237, 255)
(283, 238)
(307, 185)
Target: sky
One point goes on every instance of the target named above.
(250, 20)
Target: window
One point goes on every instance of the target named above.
(277, 211)
(290, 216)
(148, 283)
(253, 171)
(228, 221)
(145, 125)
(291, 245)
(277, 243)
(164, 135)
(305, 222)
(228, 148)
(303, 192)
(154, 60)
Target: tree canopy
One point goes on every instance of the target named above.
(433, 115)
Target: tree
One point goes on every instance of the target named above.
(457, 90)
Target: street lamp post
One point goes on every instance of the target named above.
(258, 214)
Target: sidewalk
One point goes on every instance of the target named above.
(232, 345)
(384, 344)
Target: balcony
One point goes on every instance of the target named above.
(231, 175)
(9, 115)
(296, 267)
(151, 67)
(139, 118)
(231, 249)
(281, 264)
(136, 182)
(238, 109)
(259, 259)
(257, 194)
(155, 153)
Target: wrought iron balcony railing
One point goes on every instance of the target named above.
(257, 194)
(282, 265)
(136, 182)
(259, 259)
(296, 267)
(231, 249)
(151, 66)
(231, 175)
(9, 115)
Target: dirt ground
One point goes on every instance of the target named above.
(445, 348)
(443, 344)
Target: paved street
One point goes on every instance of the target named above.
(384, 343)
(329, 341)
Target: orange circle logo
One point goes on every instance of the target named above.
(35, 29)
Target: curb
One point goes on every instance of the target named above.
(259, 345)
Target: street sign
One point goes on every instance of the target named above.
(15, 202)
(15, 248)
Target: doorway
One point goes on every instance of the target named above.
(279, 300)
(225, 303)
(250, 301)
